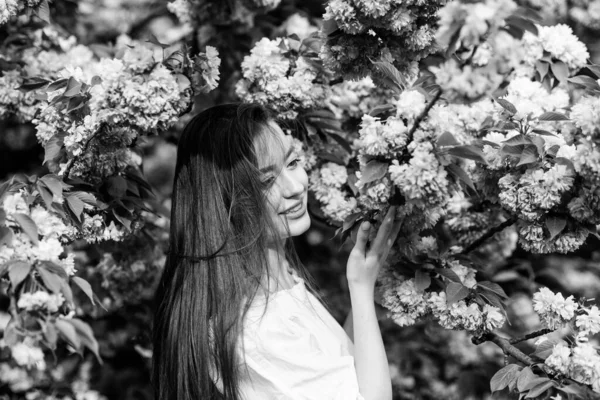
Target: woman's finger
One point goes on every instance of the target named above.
(362, 236)
(384, 230)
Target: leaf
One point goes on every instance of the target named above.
(75, 205)
(529, 155)
(55, 269)
(54, 184)
(389, 71)
(86, 197)
(560, 70)
(492, 287)
(373, 171)
(96, 80)
(52, 148)
(525, 376)
(522, 23)
(422, 280)
(43, 11)
(152, 39)
(448, 274)
(544, 349)
(542, 68)
(555, 225)
(56, 85)
(51, 280)
(342, 142)
(534, 383)
(11, 334)
(517, 140)
(586, 81)
(17, 272)
(504, 377)
(552, 116)
(6, 236)
(86, 336)
(469, 152)
(73, 87)
(455, 292)
(85, 287)
(51, 335)
(33, 83)
(491, 298)
(117, 186)
(507, 105)
(68, 333)
(446, 139)
(28, 226)
(460, 175)
(595, 69)
(543, 132)
(380, 109)
(75, 103)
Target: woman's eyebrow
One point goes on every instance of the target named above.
(272, 168)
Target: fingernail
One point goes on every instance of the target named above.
(366, 225)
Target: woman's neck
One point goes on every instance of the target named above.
(279, 270)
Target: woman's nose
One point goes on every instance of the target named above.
(292, 185)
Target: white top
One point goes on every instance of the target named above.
(296, 350)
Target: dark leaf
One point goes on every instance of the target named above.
(329, 26)
(460, 175)
(380, 109)
(389, 71)
(504, 377)
(522, 23)
(469, 152)
(17, 272)
(86, 335)
(75, 205)
(507, 105)
(68, 333)
(54, 184)
(448, 274)
(85, 287)
(529, 155)
(595, 69)
(447, 139)
(52, 148)
(117, 186)
(73, 87)
(552, 116)
(373, 171)
(33, 83)
(560, 70)
(543, 132)
(43, 11)
(555, 225)
(56, 85)
(6, 236)
(422, 280)
(28, 226)
(51, 280)
(586, 81)
(155, 41)
(492, 287)
(341, 141)
(455, 292)
(75, 103)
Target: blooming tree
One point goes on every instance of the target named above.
(478, 120)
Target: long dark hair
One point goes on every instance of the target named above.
(217, 254)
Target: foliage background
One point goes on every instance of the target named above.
(427, 362)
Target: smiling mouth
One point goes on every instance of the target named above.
(293, 209)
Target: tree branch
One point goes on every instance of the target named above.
(488, 235)
(530, 336)
(505, 345)
(422, 116)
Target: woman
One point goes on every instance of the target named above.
(234, 318)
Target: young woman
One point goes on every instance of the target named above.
(234, 319)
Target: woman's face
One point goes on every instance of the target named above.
(286, 183)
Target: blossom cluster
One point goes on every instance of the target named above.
(372, 30)
(580, 361)
(328, 183)
(11, 8)
(280, 74)
(586, 13)
(407, 304)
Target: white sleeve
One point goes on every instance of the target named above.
(285, 361)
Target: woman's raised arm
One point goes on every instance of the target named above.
(371, 363)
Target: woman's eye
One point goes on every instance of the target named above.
(268, 181)
(294, 163)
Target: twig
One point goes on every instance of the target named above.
(505, 345)
(488, 235)
(83, 151)
(422, 116)
(530, 336)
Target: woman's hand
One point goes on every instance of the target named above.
(364, 265)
